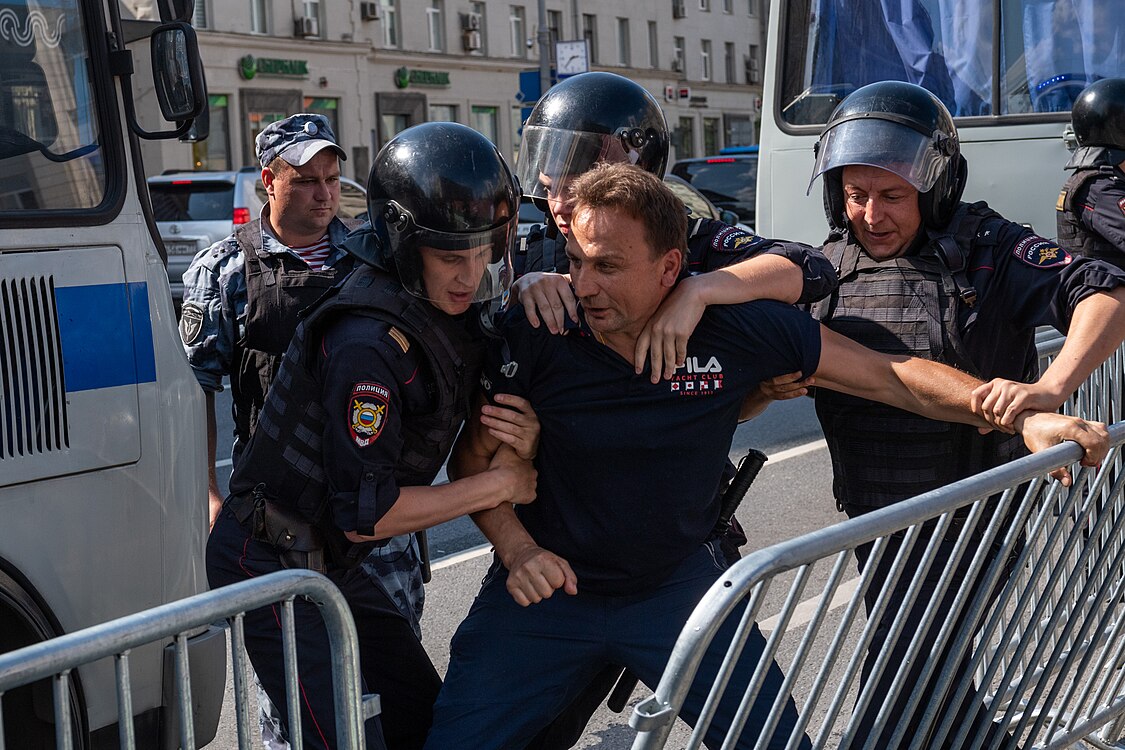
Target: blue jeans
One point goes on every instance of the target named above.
(513, 669)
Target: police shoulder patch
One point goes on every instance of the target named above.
(368, 407)
(191, 323)
(1041, 253)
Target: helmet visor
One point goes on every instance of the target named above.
(441, 267)
(887, 145)
(549, 157)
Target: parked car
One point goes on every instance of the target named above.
(729, 180)
(194, 210)
(530, 215)
(699, 204)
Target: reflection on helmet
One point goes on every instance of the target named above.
(1099, 114)
(589, 118)
(444, 186)
(902, 128)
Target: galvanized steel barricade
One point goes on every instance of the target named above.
(1047, 642)
(57, 657)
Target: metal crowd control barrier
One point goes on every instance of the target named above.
(1100, 396)
(58, 657)
(1046, 642)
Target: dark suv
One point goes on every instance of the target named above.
(729, 180)
(194, 210)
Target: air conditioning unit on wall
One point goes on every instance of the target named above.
(677, 65)
(470, 21)
(369, 11)
(471, 40)
(306, 26)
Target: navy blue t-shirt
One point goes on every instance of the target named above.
(628, 470)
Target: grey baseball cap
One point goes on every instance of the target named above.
(296, 139)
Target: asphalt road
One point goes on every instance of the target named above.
(792, 495)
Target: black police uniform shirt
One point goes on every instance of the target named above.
(373, 380)
(711, 245)
(628, 470)
(1101, 208)
(1023, 281)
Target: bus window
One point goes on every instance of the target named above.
(1049, 50)
(49, 135)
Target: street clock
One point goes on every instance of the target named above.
(570, 57)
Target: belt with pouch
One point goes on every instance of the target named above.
(298, 541)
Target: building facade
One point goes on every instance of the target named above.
(375, 67)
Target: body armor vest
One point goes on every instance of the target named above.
(911, 305)
(1073, 235)
(286, 451)
(278, 287)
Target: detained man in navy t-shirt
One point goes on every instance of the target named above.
(607, 563)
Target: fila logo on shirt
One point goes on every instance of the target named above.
(697, 377)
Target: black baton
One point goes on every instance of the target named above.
(732, 496)
(735, 492)
(423, 554)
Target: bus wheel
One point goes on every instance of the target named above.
(29, 710)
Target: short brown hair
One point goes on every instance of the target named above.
(640, 194)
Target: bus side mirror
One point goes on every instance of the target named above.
(178, 72)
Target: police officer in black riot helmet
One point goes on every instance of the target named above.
(362, 415)
(924, 274)
(1091, 207)
(603, 117)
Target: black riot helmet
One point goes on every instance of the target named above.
(444, 186)
(1099, 114)
(589, 118)
(902, 128)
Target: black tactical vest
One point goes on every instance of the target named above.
(285, 454)
(912, 305)
(278, 287)
(1073, 235)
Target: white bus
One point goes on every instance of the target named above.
(103, 504)
(1007, 69)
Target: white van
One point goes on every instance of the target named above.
(102, 471)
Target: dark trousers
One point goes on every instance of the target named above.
(513, 669)
(392, 660)
(972, 708)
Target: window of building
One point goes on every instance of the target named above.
(590, 34)
(478, 9)
(705, 6)
(443, 113)
(653, 45)
(199, 17)
(753, 66)
(390, 23)
(214, 153)
(685, 141)
(728, 62)
(311, 9)
(678, 55)
(623, 52)
(258, 22)
(753, 10)
(711, 143)
(728, 6)
(705, 59)
(516, 25)
(554, 28)
(486, 121)
(435, 23)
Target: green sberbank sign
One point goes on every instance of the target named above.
(405, 77)
(250, 66)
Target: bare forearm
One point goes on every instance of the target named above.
(420, 508)
(761, 277)
(503, 529)
(1097, 328)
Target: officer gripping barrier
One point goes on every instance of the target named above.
(1030, 594)
(58, 657)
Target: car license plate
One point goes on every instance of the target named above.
(180, 248)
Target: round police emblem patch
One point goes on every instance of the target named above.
(191, 323)
(367, 412)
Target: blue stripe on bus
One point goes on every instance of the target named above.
(95, 354)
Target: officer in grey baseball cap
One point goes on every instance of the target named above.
(296, 139)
